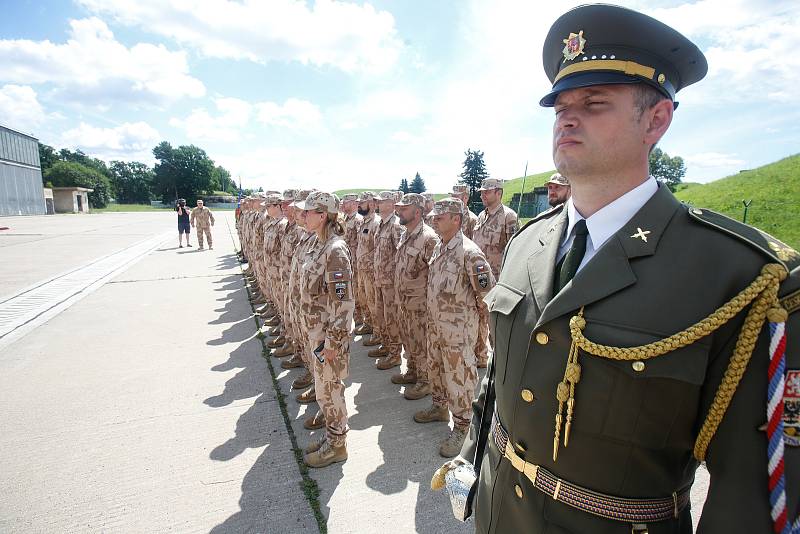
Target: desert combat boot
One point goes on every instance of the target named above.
(326, 455)
(432, 414)
(418, 391)
(451, 446)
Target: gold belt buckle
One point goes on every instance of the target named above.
(526, 468)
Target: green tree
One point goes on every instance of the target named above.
(183, 172)
(403, 186)
(417, 185)
(132, 182)
(222, 180)
(668, 170)
(47, 157)
(73, 174)
(474, 173)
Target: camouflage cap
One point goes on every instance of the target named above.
(272, 199)
(557, 179)
(460, 189)
(320, 201)
(448, 205)
(387, 195)
(288, 195)
(349, 197)
(302, 194)
(491, 183)
(366, 196)
(428, 196)
(412, 199)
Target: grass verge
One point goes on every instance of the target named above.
(308, 484)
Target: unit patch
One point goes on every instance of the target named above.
(483, 280)
(341, 290)
(791, 409)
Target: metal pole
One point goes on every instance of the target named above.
(522, 191)
(746, 205)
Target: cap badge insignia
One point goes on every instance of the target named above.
(573, 45)
(641, 234)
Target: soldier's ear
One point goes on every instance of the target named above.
(659, 117)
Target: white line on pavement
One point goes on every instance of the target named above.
(33, 306)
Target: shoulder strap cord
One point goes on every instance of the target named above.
(763, 293)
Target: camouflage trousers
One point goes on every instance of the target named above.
(362, 305)
(388, 308)
(481, 346)
(329, 387)
(203, 230)
(453, 377)
(358, 315)
(414, 334)
(371, 299)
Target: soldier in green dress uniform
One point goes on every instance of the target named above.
(635, 336)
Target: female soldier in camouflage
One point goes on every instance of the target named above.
(328, 306)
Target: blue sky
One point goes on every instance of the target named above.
(333, 94)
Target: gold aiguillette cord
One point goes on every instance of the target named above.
(565, 392)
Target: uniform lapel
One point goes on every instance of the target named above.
(609, 270)
(542, 260)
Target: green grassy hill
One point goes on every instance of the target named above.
(775, 193)
(531, 181)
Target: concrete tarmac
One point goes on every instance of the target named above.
(148, 406)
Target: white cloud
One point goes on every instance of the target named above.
(128, 141)
(749, 46)
(20, 108)
(295, 114)
(705, 160)
(232, 119)
(344, 35)
(227, 125)
(93, 67)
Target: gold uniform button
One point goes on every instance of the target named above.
(527, 395)
(542, 338)
(638, 366)
(518, 490)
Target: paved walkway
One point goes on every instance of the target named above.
(147, 406)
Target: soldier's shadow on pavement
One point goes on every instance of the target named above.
(410, 450)
(226, 262)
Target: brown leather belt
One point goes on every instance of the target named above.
(599, 504)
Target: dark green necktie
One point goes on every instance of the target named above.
(568, 266)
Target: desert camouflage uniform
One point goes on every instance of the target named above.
(468, 222)
(259, 267)
(297, 320)
(411, 279)
(202, 219)
(387, 305)
(352, 227)
(328, 305)
(492, 232)
(288, 248)
(459, 278)
(271, 247)
(365, 261)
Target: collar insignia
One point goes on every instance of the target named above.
(641, 234)
(573, 45)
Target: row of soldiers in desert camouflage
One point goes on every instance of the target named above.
(406, 271)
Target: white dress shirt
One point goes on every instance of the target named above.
(607, 221)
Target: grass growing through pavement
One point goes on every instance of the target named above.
(309, 485)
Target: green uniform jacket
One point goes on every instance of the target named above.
(633, 431)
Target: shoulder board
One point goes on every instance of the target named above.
(771, 247)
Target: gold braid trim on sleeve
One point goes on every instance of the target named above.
(762, 292)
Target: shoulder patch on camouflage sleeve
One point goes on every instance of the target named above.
(771, 247)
